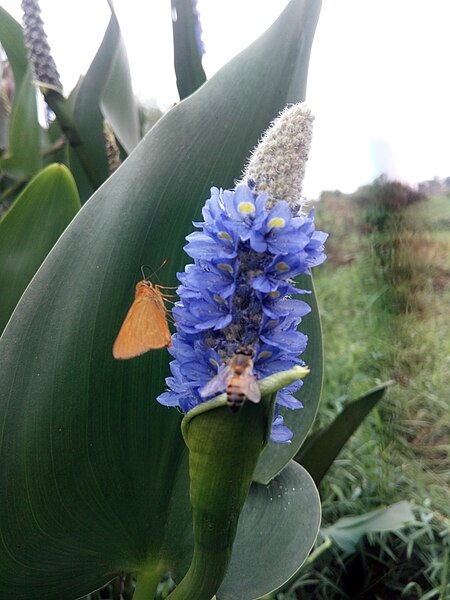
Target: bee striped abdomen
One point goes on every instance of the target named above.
(235, 397)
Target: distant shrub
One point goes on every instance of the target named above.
(391, 194)
(381, 200)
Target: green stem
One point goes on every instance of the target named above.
(66, 121)
(56, 147)
(146, 584)
(224, 448)
(195, 586)
(11, 190)
(318, 551)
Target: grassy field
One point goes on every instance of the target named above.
(384, 295)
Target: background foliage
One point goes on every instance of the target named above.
(383, 295)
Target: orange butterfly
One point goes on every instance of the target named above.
(145, 326)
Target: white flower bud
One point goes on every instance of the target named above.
(277, 164)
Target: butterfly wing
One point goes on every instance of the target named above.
(145, 326)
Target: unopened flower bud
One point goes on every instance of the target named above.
(277, 164)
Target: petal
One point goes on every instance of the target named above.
(280, 433)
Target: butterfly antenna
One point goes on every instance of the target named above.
(143, 267)
(153, 273)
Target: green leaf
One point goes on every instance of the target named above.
(84, 184)
(71, 158)
(276, 531)
(62, 132)
(187, 57)
(346, 532)
(117, 101)
(23, 158)
(105, 91)
(88, 117)
(13, 42)
(91, 465)
(321, 450)
(275, 456)
(278, 527)
(29, 230)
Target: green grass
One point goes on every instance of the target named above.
(384, 296)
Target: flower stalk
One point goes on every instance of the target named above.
(147, 584)
(223, 451)
(237, 333)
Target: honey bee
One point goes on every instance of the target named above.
(237, 378)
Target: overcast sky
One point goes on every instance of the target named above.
(378, 78)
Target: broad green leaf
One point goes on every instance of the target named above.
(29, 230)
(321, 450)
(187, 56)
(278, 527)
(13, 42)
(90, 464)
(88, 117)
(346, 532)
(117, 101)
(276, 531)
(106, 87)
(84, 185)
(275, 456)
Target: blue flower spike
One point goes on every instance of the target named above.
(236, 294)
(237, 333)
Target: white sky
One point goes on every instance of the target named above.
(378, 78)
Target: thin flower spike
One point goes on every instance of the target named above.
(237, 292)
(36, 40)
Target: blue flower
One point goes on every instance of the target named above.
(237, 294)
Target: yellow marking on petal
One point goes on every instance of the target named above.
(277, 222)
(282, 266)
(225, 267)
(217, 298)
(271, 322)
(246, 207)
(274, 294)
(265, 354)
(224, 236)
(214, 363)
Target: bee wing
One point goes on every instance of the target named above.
(144, 328)
(251, 389)
(217, 384)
